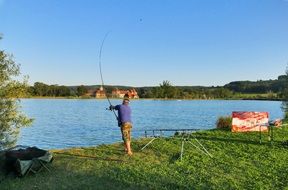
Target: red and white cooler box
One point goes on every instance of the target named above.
(249, 121)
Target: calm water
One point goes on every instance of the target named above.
(70, 123)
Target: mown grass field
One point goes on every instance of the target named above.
(239, 162)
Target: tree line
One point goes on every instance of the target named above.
(164, 91)
(273, 89)
(167, 91)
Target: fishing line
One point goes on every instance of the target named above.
(87, 157)
(100, 68)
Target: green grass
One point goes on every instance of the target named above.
(239, 162)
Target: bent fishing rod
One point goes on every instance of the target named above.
(100, 69)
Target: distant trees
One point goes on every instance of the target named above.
(261, 86)
(41, 89)
(44, 90)
(284, 89)
(269, 89)
(252, 87)
(81, 90)
(166, 90)
(262, 89)
(222, 93)
(145, 92)
(284, 95)
(11, 118)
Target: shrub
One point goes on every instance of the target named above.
(11, 90)
(285, 117)
(284, 107)
(224, 122)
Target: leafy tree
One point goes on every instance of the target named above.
(222, 93)
(166, 90)
(81, 90)
(40, 89)
(284, 91)
(145, 92)
(284, 95)
(11, 118)
(64, 91)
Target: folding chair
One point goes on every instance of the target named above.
(29, 159)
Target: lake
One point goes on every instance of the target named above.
(64, 123)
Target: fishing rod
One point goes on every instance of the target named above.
(100, 69)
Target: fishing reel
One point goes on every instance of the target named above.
(110, 108)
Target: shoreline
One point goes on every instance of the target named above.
(163, 99)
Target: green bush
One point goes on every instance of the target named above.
(285, 117)
(284, 107)
(224, 122)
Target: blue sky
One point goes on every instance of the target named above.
(191, 42)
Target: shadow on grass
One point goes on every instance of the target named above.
(253, 141)
(230, 140)
(63, 154)
(103, 178)
(220, 139)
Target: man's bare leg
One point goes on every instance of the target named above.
(128, 146)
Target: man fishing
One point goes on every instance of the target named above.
(124, 122)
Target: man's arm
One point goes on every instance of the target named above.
(114, 107)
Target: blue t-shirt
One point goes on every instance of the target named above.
(124, 113)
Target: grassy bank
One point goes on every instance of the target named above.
(239, 162)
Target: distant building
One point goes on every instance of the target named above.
(100, 93)
(96, 93)
(132, 93)
(90, 92)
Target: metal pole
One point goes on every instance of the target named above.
(203, 147)
(197, 147)
(260, 134)
(148, 143)
(182, 149)
(272, 134)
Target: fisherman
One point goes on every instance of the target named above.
(124, 122)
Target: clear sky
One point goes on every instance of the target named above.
(188, 42)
